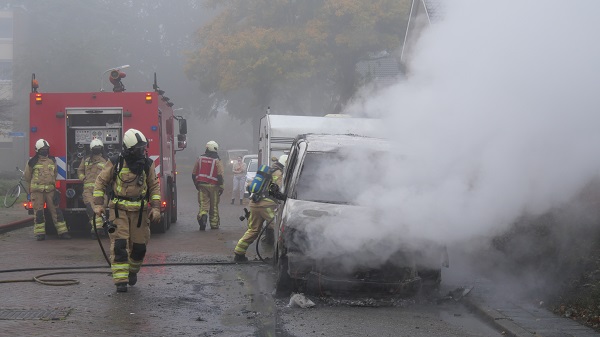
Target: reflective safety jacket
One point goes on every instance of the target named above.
(89, 169)
(208, 171)
(129, 190)
(40, 173)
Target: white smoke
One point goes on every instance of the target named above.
(499, 117)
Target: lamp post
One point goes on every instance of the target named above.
(111, 69)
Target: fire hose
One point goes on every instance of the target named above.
(84, 269)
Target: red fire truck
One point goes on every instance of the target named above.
(69, 122)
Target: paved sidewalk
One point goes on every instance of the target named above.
(520, 319)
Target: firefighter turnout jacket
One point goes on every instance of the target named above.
(40, 173)
(89, 169)
(129, 190)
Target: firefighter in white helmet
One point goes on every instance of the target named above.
(262, 208)
(135, 191)
(208, 178)
(40, 174)
(88, 170)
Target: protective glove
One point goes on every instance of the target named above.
(273, 189)
(154, 216)
(221, 189)
(99, 210)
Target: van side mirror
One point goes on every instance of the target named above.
(183, 126)
(181, 141)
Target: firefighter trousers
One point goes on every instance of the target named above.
(128, 243)
(208, 200)
(258, 215)
(88, 201)
(51, 199)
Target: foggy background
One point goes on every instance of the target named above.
(70, 44)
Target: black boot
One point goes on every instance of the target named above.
(122, 287)
(132, 278)
(202, 221)
(40, 237)
(94, 236)
(241, 201)
(65, 236)
(232, 201)
(240, 258)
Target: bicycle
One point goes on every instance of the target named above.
(13, 193)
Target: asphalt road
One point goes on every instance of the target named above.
(196, 299)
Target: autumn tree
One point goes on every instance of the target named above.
(291, 51)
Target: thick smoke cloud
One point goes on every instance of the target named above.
(498, 118)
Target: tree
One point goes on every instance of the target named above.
(292, 51)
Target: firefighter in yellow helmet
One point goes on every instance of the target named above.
(208, 178)
(135, 191)
(40, 174)
(262, 208)
(88, 170)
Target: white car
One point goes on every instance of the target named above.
(250, 174)
(232, 155)
(247, 158)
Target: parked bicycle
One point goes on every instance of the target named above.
(13, 193)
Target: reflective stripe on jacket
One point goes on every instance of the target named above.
(89, 169)
(207, 171)
(42, 176)
(128, 194)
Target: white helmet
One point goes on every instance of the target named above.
(134, 138)
(96, 143)
(212, 146)
(283, 159)
(40, 144)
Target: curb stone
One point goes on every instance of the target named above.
(501, 322)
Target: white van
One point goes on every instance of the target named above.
(277, 132)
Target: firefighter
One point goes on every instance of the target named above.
(88, 170)
(135, 191)
(262, 208)
(40, 174)
(269, 237)
(208, 178)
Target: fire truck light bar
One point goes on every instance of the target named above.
(38, 98)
